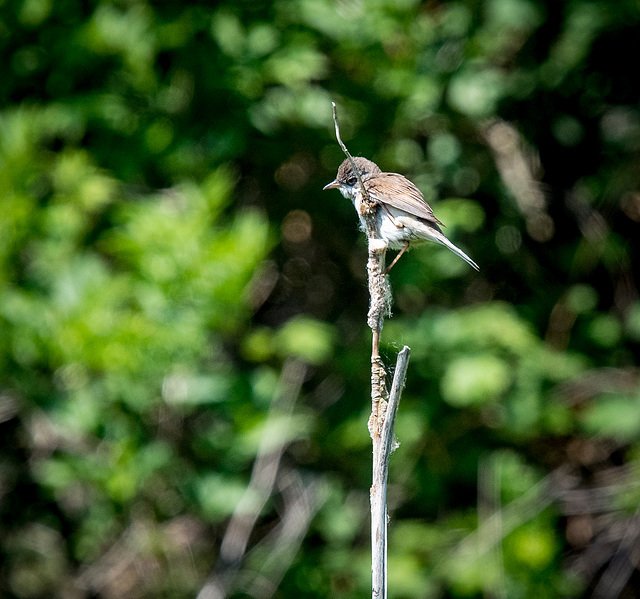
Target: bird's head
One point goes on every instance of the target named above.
(346, 180)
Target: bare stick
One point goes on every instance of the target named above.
(383, 445)
(263, 477)
(382, 418)
(302, 499)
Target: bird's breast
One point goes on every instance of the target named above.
(394, 231)
(395, 227)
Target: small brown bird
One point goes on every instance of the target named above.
(403, 215)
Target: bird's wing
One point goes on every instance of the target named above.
(397, 191)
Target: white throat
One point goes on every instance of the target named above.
(350, 192)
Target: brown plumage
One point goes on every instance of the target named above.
(397, 191)
(403, 216)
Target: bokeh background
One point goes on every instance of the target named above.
(184, 357)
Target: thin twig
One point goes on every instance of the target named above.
(274, 554)
(365, 193)
(399, 376)
(497, 526)
(624, 562)
(263, 477)
(489, 505)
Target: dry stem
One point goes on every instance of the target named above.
(381, 422)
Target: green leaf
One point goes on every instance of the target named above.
(475, 380)
(307, 339)
(616, 416)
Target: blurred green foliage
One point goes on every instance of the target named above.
(166, 249)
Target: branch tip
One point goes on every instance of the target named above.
(365, 194)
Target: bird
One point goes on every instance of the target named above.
(403, 216)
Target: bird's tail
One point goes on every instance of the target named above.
(456, 250)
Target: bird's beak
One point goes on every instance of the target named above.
(333, 185)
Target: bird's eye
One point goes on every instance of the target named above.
(351, 180)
